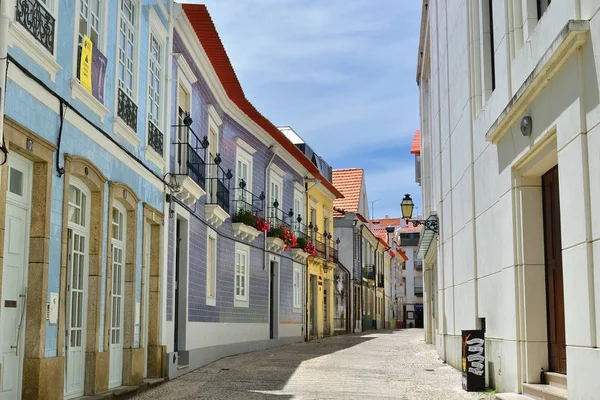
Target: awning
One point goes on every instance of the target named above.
(427, 237)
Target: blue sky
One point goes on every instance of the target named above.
(341, 73)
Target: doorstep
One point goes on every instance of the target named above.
(125, 392)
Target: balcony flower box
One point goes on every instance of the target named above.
(284, 234)
(248, 226)
(275, 245)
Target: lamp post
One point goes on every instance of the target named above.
(407, 206)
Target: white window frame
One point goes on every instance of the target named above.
(298, 199)
(276, 176)
(297, 288)
(156, 29)
(119, 125)
(239, 300)
(242, 156)
(77, 90)
(211, 234)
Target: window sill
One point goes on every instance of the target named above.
(22, 38)
(121, 128)
(211, 301)
(241, 303)
(80, 93)
(155, 158)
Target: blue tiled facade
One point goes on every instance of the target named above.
(43, 120)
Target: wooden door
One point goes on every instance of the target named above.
(557, 351)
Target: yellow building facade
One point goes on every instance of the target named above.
(321, 266)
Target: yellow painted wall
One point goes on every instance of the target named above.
(324, 207)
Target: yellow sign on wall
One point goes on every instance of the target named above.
(85, 65)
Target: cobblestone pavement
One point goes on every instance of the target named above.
(378, 365)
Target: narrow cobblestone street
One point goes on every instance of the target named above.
(378, 365)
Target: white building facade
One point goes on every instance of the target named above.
(510, 148)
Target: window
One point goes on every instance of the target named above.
(182, 139)
(90, 14)
(542, 6)
(326, 227)
(298, 209)
(242, 272)
(211, 268)
(213, 150)
(126, 43)
(297, 286)
(313, 216)
(155, 85)
(275, 196)
(243, 172)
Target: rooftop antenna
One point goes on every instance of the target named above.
(373, 208)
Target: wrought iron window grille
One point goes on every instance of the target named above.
(189, 159)
(38, 21)
(155, 138)
(127, 109)
(219, 182)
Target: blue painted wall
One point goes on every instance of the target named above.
(39, 118)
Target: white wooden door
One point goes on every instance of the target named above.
(117, 298)
(14, 278)
(77, 273)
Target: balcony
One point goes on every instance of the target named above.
(189, 168)
(127, 110)
(418, 265)
(246, 206)
(380, 280)
(155, 138)
(216, 208)
(368, 272)
(38, 21)
(419, 291)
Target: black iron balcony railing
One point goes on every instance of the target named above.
(368, 272)
(218, 182)
(419, 291)
(380, 280)
(320, 242)
(418, 265)
(245, 201)
(155, 138)
(38, 21)
(127, 109)
(276, 217)
(300, 230)
(188, 155)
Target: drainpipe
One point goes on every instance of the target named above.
(4, 23)
(376, 282)
(272, 150)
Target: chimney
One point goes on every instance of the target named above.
(387, 216)
(390, 235)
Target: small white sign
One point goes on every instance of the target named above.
(53, 313)
(137, 312)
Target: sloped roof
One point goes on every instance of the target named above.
(416, 144)
(208, 36)
(349, 182)
(383, 222)
(402, 254)
(410, 229)
(381, 234)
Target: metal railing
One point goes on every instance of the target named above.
(155, 138)
(245, 201)
(276, 218)
(38, 21)
(188, 158)
(380, 280)
(127, 109)
(218, 180)
(419, 291)
(368, 272)
(418, 265)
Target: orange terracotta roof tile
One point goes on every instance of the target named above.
(410, 229)
(383, 222)
(349, 182)
(416, 144)
(208, 36)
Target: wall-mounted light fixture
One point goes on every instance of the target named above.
(407, 206)
(526, 125)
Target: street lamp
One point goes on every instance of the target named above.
(407, 206)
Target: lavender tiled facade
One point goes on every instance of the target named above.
(224, 310)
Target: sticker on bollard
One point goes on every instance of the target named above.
(473, 361)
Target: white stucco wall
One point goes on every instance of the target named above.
(487, 195)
